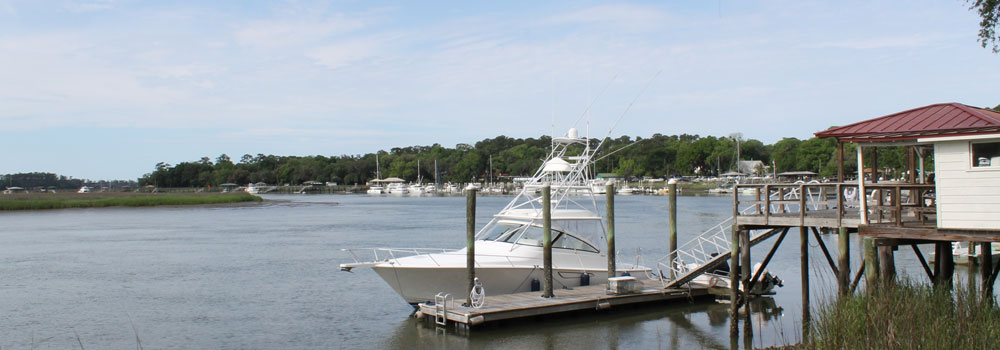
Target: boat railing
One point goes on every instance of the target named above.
(377, 255)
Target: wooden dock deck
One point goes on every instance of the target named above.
(531, 304)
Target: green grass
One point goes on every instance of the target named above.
(101, 200)
(907, 316)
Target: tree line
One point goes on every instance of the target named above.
(502, 158)
(40, 180)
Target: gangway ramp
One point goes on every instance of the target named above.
(704, 252)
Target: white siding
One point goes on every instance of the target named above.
(967, 198)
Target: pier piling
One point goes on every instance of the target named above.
(734, 281)
(470, 239)
(610, 193)
(844, 263)
(804, 267)
(547, 238)
(673, 224)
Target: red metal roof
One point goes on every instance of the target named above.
(943, 119)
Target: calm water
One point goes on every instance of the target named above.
(266, 276)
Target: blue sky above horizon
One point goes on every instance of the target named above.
(106, 89)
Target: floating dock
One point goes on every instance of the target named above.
(531, 304)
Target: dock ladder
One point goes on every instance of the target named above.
(441, 308)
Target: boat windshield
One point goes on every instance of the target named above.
(531, 235)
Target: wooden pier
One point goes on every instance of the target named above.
(531, 304)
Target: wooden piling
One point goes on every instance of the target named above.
(470, 238)
(804, 267)
(871, 266)
(673, 224)
(947, 261)
(844, 263)
(547, 239)
(986, 267)
(745, 266)
(734, 280)
(610, 193)
(887, 263)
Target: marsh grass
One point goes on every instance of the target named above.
(117, 199)
(905, 315)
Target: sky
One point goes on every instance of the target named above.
(106, 89)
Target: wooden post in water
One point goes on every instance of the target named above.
(745, 273)
(887, 263)
(734, 281)
(470, 239)
(947, 261)
(804, 266)
(547, 238)
(871, 263)
(673, 224)
(609, 190)
(986, 267)
(844, 264)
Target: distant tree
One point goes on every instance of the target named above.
(989, 11)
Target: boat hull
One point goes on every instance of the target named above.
(421, 284)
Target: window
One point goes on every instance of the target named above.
(985, 154)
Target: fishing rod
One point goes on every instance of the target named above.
(615, 125)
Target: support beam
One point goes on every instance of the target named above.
(857, 277)
(862, 197)
(734, 281)
(923, 175)
(944, 265)
(875, 166)
(986, 266)
(767, 259)
(745, 267)
(911, 165)
(887, 263)
(871, 263)
(840, 162)
(804, 267)
(923, 262)
(844, 249)
(822, 245)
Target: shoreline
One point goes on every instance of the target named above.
(50, 201)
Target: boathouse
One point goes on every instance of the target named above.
(960, 201)
(960, 205)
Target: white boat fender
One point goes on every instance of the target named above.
(851, 193)
(478, 294)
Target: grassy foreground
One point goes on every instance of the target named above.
(907, 316)
(116, 199)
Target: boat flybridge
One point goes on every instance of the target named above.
(509, 249)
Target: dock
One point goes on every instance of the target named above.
(591, 298)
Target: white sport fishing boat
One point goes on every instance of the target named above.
(509, 248)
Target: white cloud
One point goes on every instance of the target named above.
(283, 33)
(342, 54)
(881, 42)
(89, 6)
(625, 16)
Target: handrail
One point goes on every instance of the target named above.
(888, 203)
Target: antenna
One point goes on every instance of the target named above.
(613, 126)
(587, 111)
